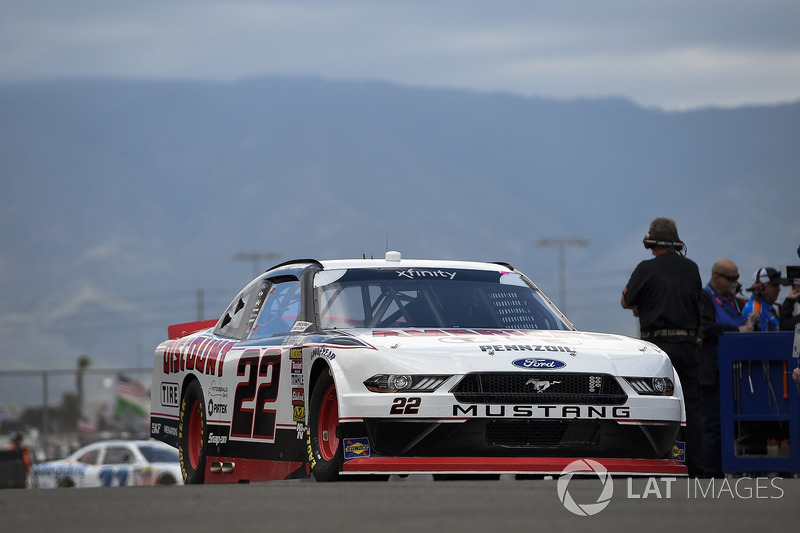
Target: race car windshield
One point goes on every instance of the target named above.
(158, 454)
(430, 298)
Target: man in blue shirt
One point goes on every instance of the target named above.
(721, 312)
(760, 309)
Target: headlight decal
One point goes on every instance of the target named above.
(404, 383)
(655, 386)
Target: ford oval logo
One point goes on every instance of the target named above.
(539, 364)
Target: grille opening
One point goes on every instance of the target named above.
(543, 433)
(538, 388)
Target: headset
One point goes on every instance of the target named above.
(757, 287)
(650, 243)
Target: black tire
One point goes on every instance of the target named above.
(325, 453)
(166, 480)
(192, 430)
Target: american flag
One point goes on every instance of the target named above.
(86, 425)
(130, 388)
(131, 397)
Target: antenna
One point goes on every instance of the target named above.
(387, 242)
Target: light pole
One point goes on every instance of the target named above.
(256, 258)
(562, 243)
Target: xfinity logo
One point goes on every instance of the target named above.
(539, 364)
(540, 385)
(411, 273)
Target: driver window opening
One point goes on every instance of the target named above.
(279, 310)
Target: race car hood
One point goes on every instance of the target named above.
(466, 350)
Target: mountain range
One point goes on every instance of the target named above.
(130, 205)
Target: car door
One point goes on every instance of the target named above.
(258, 370)
(116, 466)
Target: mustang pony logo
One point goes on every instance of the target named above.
(540, 385)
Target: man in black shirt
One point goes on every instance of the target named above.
(665, 292)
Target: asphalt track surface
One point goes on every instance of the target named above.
(413, 504)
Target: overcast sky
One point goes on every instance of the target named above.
(672, 54)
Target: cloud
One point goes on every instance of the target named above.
(671, 54)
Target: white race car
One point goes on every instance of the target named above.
(113, 463)
(395, 366)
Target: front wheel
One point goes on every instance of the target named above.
(191, 434)
(324, 445)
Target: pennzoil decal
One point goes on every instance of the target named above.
(525, 348)
(354, 448)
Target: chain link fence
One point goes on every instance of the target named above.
(60, 410)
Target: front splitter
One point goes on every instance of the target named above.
(507, 465)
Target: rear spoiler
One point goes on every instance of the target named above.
(177, 331)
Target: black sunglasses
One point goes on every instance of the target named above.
(729, 278)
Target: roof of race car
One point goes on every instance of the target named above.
(123, 442)
(394, 260)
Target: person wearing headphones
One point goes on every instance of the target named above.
(665, 294)
(760, 309)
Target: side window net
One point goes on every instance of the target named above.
(513, 311)
(279, 310)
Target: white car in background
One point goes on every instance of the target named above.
(113, 463)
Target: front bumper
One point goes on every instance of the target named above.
(507, 465)
(495, 437)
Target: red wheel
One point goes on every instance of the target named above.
(324, 444)
(328, 424)
(195, 433)
(192, 434)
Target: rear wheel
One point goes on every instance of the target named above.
(324, 445)
(166, 479)
(191, 434)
